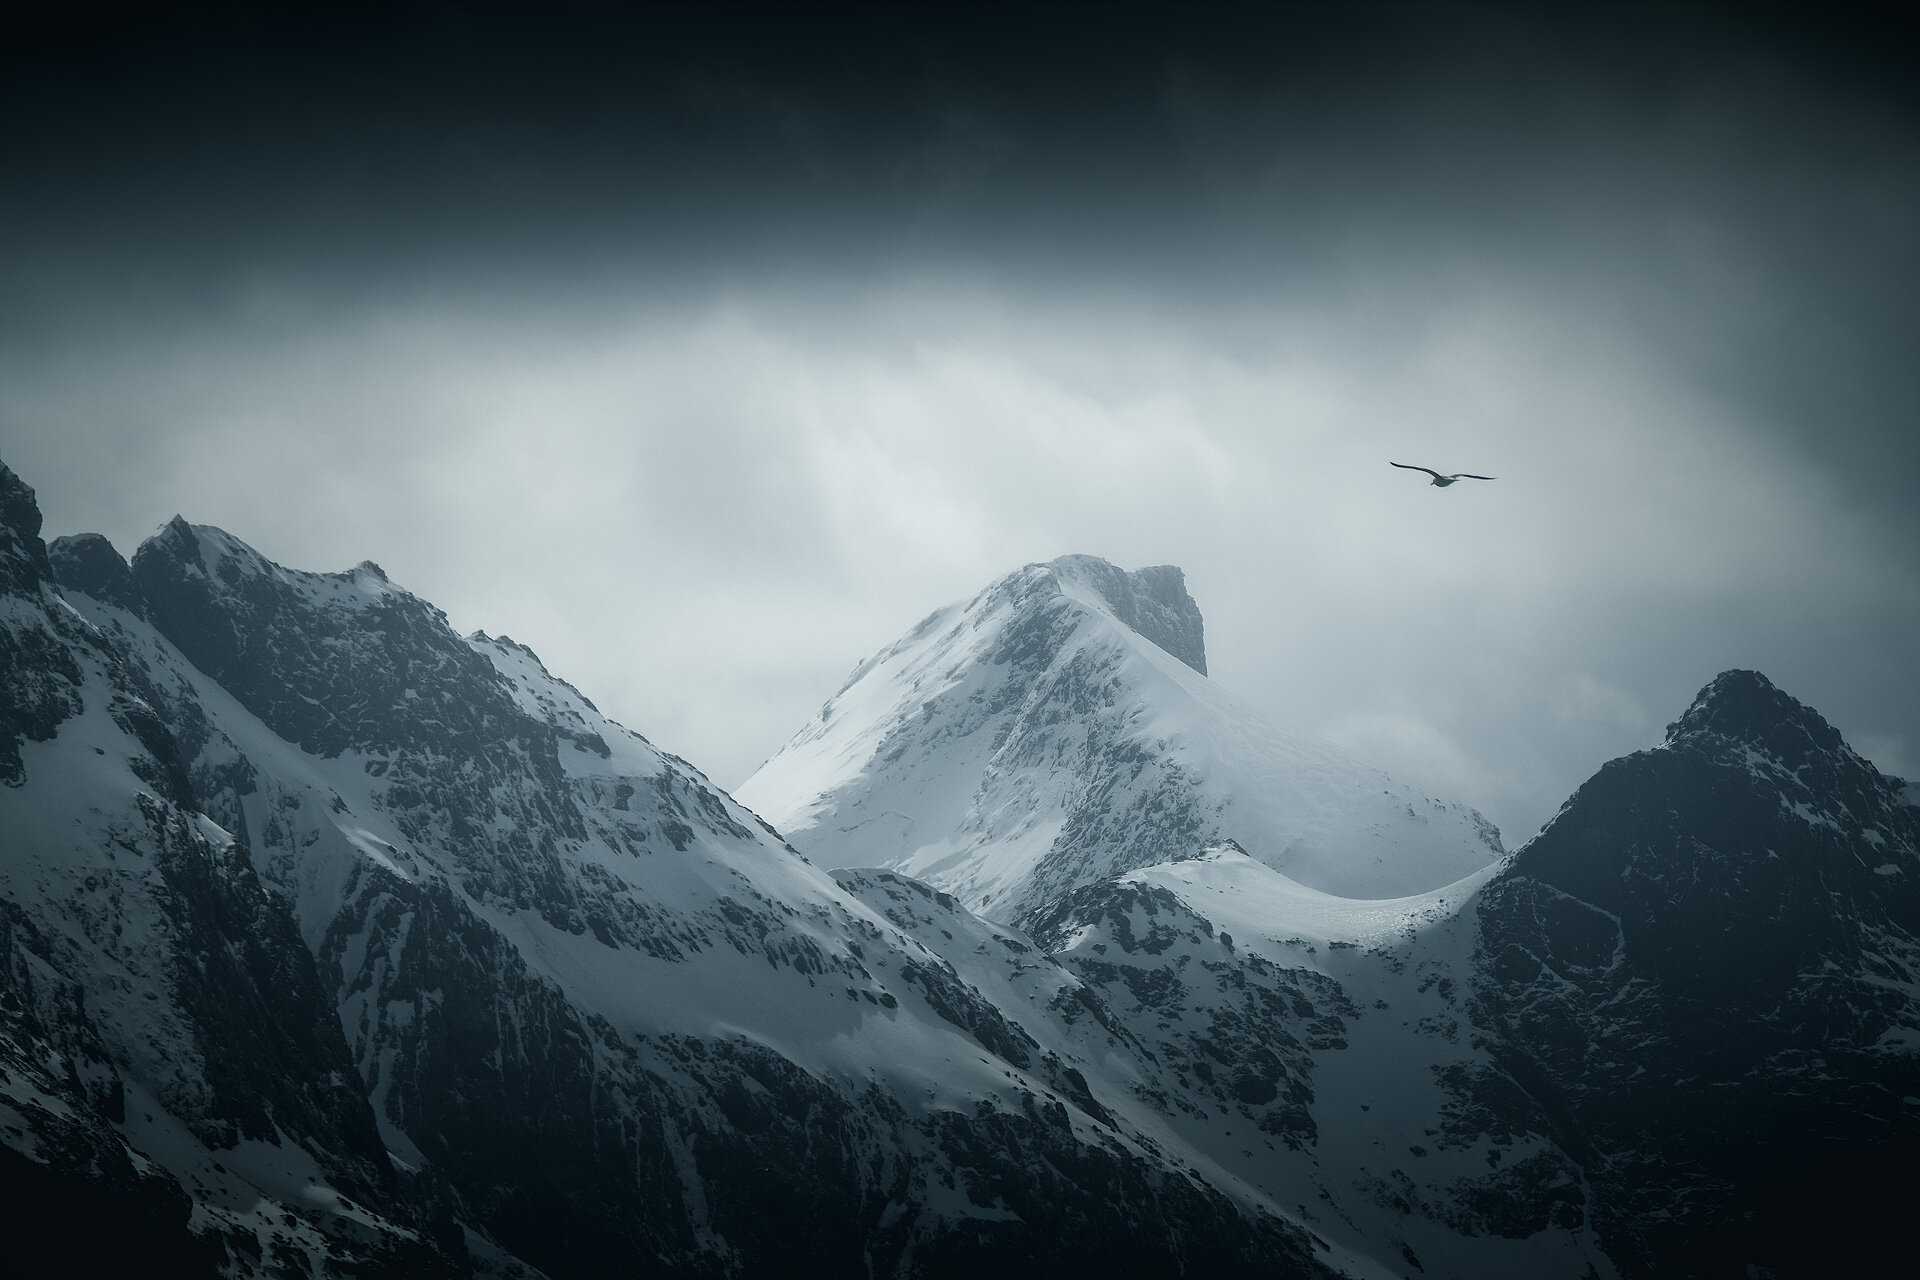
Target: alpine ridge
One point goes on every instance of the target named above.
(171, 1066)
(1059, 729)
(577, 1011)
(335, 943)
(1706, 969)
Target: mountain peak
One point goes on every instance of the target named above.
(23, 557)
(178, 533)
(91, 565)
(202, 547)
(1746, 707)
(179, 549)
(1037, 738)
(194, 549)
(1151, 601)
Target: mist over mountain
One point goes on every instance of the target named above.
(337, 943)
(1059, 729)
(1259, 862)
(598, 1016)
(793, 321)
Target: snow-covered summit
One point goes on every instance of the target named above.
(583, 993)
(379, 915)
(1152, 601)
(1058, 729)
(1747, 708)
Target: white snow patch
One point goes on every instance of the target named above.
(930, 762)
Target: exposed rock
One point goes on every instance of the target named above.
(1704, 971)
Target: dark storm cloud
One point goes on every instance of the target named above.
(411, 135)
(1735, 185)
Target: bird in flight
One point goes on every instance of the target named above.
(1438, 479)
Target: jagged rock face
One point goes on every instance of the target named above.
(332, 662)
(1705, 971)
(1319, 1049)
(1058, 730)
(1250, 1053)
(89, 564)
(346, 663)
(602, 1014)
(39, 678)
(165, 1041)
(1152, 602)
(298, 885)
(66, 1171)
(23, 557)
(1677, 1035)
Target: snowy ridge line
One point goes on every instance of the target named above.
(1032, 741)
(331, 939)
(474, 855)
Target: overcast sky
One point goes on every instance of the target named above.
(706, 350)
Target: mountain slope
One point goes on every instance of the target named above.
(1311, 1044)
(308, 904)
(1707, 971)
(1677, 1034)
(1058, 729)
(169, 1060)
(612, 1015)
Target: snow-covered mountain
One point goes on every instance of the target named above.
(1059, 729)
(590, 1015)
(1310, 1044)
(1677, 1034)
(176, 1094)
(335, 943)
(1706, 973)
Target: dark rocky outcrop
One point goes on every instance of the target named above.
(141, 956)
(1152, 601)
(23, 557)
(88, 563)
(1703, 974)
(510, 1103)
(330, 880)
(39, 677)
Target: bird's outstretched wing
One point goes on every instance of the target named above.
(1464, 476)
(1404, 467)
